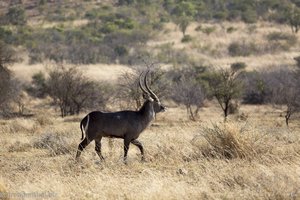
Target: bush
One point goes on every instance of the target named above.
(186, 38)
(227, 141)
(242, 49)
(231, 29)
(16, 16)
(226, 86)
(188, 91)
(238, 66)
(279, 41)
(209, 30)
(38, 86)
(256, 91)
(249, 16)
(54, 142)
(6, 35)
(72, 92)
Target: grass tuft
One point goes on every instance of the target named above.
(227, 141)
(55, 142)
(19, 147)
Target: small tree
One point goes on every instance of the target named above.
(225, 85)
(72, 92)
(183, 14)
(189, 92)
(292, 15)
(284, 87)
(183, 22)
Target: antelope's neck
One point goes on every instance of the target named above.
(147, 112)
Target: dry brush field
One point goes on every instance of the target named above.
(253, 158)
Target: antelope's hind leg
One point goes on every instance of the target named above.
(140, 146)
(98, 148)
(126, 148)
(81, 146)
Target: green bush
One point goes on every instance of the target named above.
(6, 35)
(186, 38)
(231, 29)
(121, 50)
(209, 30)
(249, 16)
(220, 15)
(16, 16)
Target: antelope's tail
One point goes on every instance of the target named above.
(84, 125)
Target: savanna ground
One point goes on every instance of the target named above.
(37, 157)
(253, 156)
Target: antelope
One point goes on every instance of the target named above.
(126, 124)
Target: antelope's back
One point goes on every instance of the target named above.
(114, 124)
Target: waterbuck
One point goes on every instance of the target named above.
(125, 124)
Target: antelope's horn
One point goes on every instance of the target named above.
(149, 90)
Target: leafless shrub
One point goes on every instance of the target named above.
(55, 142)
(189, 93)
(187, 88)
(284, 90)
(72, 92)
(128, 90)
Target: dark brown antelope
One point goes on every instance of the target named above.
(125, 124)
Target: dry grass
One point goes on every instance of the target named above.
(228, 141)
(99, 72)
(185, 160)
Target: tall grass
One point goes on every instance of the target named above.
(57, 143)
(228, 141)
